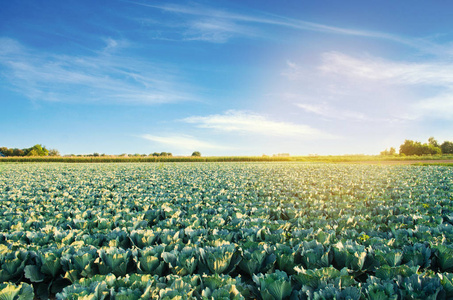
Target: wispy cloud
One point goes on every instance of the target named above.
(114, 44)
(374, 68)
(330, 112)
(440, 107)
(432, 79)
(253, 123)
(182, 142)
(229, 24)
(213, 30)
(102, 77)
(371, 89)
(262, 18)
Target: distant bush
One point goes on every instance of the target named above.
(410, 147)
(392, 151)
(447, 147)
(162, 154)
(54, 152)
(36, 150)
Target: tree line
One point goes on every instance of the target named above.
(36, 150)
(40, 150)
(432, 147)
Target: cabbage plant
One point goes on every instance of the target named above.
(113, 260)
(220, 259)
(272, 286)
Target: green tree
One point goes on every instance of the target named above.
(392, 151)
(431, 149)
(433, 142)
(196, 154)
(6, 151)
(18, 152)
(410, 147)
(32, 152)
(385, 152)
(54, 152)
(37, 150)
(447, 147)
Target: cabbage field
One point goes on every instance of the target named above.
(280, 230)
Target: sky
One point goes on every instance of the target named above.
(225, 77)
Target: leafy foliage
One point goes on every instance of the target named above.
(273, 286)
(226, 231)
(410, 147)
(10, 291)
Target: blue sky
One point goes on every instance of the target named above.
(225, 77)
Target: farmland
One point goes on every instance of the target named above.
(256, 230)
(360, 158)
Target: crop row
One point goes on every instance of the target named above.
(324, 283)
(55, 268)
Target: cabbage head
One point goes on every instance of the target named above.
(274, 286)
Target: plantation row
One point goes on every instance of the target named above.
(141, 159)
(309, 268)
(226, 231)
(264, 158)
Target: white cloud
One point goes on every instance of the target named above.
(114, 44)
(331, 112)
(371, 89)
(292, 65)
(234, 19)
(246, 122)
(378, 69)
(214, 30)
(111, 44)
(203, 11)
(293, 71)
(102, 77)
(183, 142)
(411, 90)
(438, 107)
